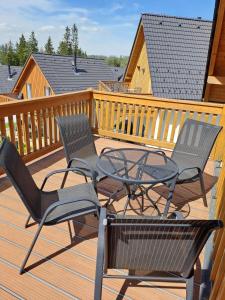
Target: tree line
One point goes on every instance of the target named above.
(17, 54)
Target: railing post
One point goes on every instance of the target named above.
(207, 264)
(208, 252)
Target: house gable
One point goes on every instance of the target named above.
(32, 75)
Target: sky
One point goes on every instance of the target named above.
(105, 27)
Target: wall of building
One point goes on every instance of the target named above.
(141, 77)
(32, 75)
(215, 87)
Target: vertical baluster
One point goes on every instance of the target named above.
(141, 124)
(112, 116)
(167, 124)
(107, 116)
(39, 127)
(20, 134)
(26, 132)
(136, 114)
(11, 129)
(44, 116)
(49, 112)
(161, 123)
(129, 127)
(174, 126)
(33, 131)
(123, 127)
(154, 120)
(118, 117)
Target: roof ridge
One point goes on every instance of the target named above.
(66, 56)
(178, 17)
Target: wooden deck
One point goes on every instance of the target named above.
(59, 269)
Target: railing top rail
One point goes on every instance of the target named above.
(121, 97)
(37, 103)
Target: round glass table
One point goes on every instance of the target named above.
(139, 170)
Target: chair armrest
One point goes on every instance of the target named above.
(86, 166)
(191, 168)
(106, 148)
(78, 171)
(60, 203)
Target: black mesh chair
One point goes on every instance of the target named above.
(192, 150)
(191, 153)
(80, 151)
(150, 249)
(46, 208)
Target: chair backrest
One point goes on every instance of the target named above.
(147, 244)
(76, 136)
(194, 144)
(20, 177)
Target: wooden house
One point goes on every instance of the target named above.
(169, 57)
(215, 85)
(45, 75)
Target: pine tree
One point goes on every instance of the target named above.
(74, 39)
(32, 43)
(22, 50)
(65, 46)
(49, 49)
(8, 54)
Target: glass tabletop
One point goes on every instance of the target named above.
(137, 166)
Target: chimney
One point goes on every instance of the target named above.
(10, 73)
(75, 60)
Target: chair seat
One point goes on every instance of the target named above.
(83, 191)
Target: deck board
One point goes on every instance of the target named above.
(57, 268)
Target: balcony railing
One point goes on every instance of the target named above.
(30, 124)
(117, 87)
(4, 98)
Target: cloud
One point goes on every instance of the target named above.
(47, 28)
(105, 30)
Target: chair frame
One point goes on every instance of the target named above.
(101, 269)
(200, 171)
(50, 209)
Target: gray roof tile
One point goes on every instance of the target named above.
(59, 72)
(177, 53)
(7, 84)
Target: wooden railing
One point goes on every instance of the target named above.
(117, 87)
(31, 125)
(150, 120)
(4, 99)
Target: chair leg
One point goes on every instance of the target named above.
(27, 221)
(30, 249)
(70, 231)
(203, 189)
(190, 288)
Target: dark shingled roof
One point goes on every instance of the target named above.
(60, 74)
(177, 53)
(7, 84)
(118, 73)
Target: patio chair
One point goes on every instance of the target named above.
(46, 208)
(192, 150)
(191, 153)
(80, 152)
(150, 249)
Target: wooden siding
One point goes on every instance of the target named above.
(215, 90)
(141, 78)
(32, 75)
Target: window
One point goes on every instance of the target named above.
(29, 90)
(47, 91)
